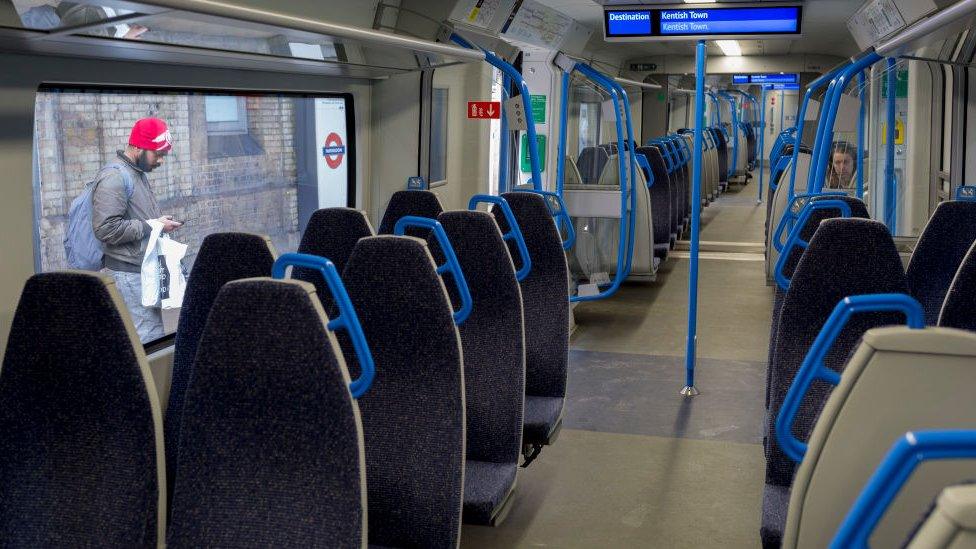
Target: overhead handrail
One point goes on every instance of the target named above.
(794, 239)
(450, 264)
(347, 319)
(813, 367)
(793, 212)
(910, 451)
(519, 80)
(514, 232)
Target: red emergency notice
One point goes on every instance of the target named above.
(484, 109)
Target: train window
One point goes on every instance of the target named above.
(589, 125)
(303, 159)
(438, 134)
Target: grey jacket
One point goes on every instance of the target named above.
(121, 223)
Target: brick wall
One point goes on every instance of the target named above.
(78, 133)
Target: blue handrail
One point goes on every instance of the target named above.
(894, 471)
(801, 114)
(347, 319)
(691, 341)
(511, 72)
(632, 158)
(815, 179)
(561, 215)
(813, 367)
(762, 141)
(514, 232)
(450, 264)
(628, 220)
(862, 110)
(792, 213)
(794, 240)
(563, 116)
(735, 131)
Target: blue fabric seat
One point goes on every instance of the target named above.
(944, 242)
(959, 308)
(858, 210)
(404, 203)
(493, 345)
(661, 206)
(545, 298)
(81, 431)
(223, 257)
(413, 414)
(846, 257)
(331, 233)
(271, 443)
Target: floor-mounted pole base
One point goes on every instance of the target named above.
(689, 391)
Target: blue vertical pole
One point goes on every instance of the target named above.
(860, 138)
(762, 140)
(891, 199)
(782, 111)
(689, 388)
(563, 115)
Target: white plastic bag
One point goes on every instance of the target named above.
(163, 277)
(172, 275)
(150, 266)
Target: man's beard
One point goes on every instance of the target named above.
(142, 162)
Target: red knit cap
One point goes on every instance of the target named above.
(150, 134)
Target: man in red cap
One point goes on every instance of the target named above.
(122, 205)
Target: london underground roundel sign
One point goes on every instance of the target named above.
(334, 150)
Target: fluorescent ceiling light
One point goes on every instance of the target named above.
(700, 1)
(730, 47)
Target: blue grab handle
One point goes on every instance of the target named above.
(646, 166)
(794, 239)
(451, 264)
(813, 367)
(792, 213)
(514, 232)
(562, 215)
(895, 469)
(347, 319)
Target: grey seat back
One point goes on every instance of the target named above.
(223, 257)
(898, 380)
(413, 414)
(545, 296)
(404, 203)
(951, 522)
(331, 233)
(81, 441)
(947, 237)
(493, 346)
(846, 257)
(590, 163)
(959, 308)
(270, 431)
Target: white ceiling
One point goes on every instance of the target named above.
(824, 31)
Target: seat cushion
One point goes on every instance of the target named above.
(486, 485)
(542, 414)
(775, 505)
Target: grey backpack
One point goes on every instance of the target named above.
(81, 247)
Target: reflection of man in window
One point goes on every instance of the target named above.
(71, 14)
(121, 205)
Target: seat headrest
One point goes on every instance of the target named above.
(416, 203)
(959, 308)
(945, 241)
(331, 233)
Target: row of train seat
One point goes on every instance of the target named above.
(663, 182)
(261, 425)
(892, 379)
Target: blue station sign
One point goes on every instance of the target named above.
(673, 22)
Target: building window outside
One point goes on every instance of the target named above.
(226, 114)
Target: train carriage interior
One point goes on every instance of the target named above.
(487, 273)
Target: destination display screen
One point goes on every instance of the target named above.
(663, 23)
(776, 78)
